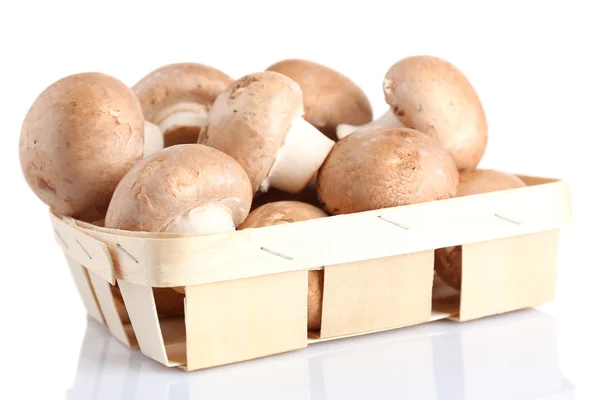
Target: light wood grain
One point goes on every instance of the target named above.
(141, 308)
(84, 287)
(244, 319)
(82, 248)
(192, 259)
(435, 316)
(377, 294)
(508, 274)
(109, 310)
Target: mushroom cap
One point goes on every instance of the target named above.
(78, 139)
(385, 167)
(250, 120)
(486, 180)
(176, 83)
(431, 95)
(316, 283)
(330, 98)
(283, 212)
(448, 265)
(448, 260)
(177, 179)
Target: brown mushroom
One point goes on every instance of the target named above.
(330, 98)
(283, 212)
(385, 167)
(177, 99)
(386, 120)
(78, 139)
(431, 95)
(188, 188)
(258, 121)
(448, 260)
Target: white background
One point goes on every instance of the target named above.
(534, 64)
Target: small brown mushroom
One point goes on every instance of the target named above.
(176, 98)
(188, 188)
(78, 139)
(283, 212)
(448, 260)
(330, 98)
(385, 167)
(432, 96)
(258, 121)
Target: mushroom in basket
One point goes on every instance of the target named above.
(433, 96)
(78, 139)
(385, 167)
(330, 98)
(258, 121)
(448, 260)
(176, 99)
(283, 212)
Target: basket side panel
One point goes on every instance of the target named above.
(377, 294)
(508, 274)
(84, 249)
(110, 310)
(84, 286)
(141, 307)
(245, 319)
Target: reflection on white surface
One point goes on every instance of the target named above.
(513, 356)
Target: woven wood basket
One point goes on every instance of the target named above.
(246, 291)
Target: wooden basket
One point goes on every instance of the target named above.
(246, 291)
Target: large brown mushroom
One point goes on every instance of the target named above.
(448, 260)
(176, 98)
(284, 212)
(385, 167)
(188, 188)
(433, 96)
(330, 98)
(78, 139)
(258, 121)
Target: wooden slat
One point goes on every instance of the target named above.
(109, 309)
(84, 249)
(508, 274)
(193, 259)
(85, 289)
(377, 294)
(141, 308)
(244, 319)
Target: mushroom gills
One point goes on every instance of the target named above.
(206, 219)
(386, 120)
(299, 159)
(181, 123)
(153, 139)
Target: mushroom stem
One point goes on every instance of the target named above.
(206, 219)
(299, 159)
(153, 139)
(211, 218)
(386, 120)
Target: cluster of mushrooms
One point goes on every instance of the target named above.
(188, 149)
